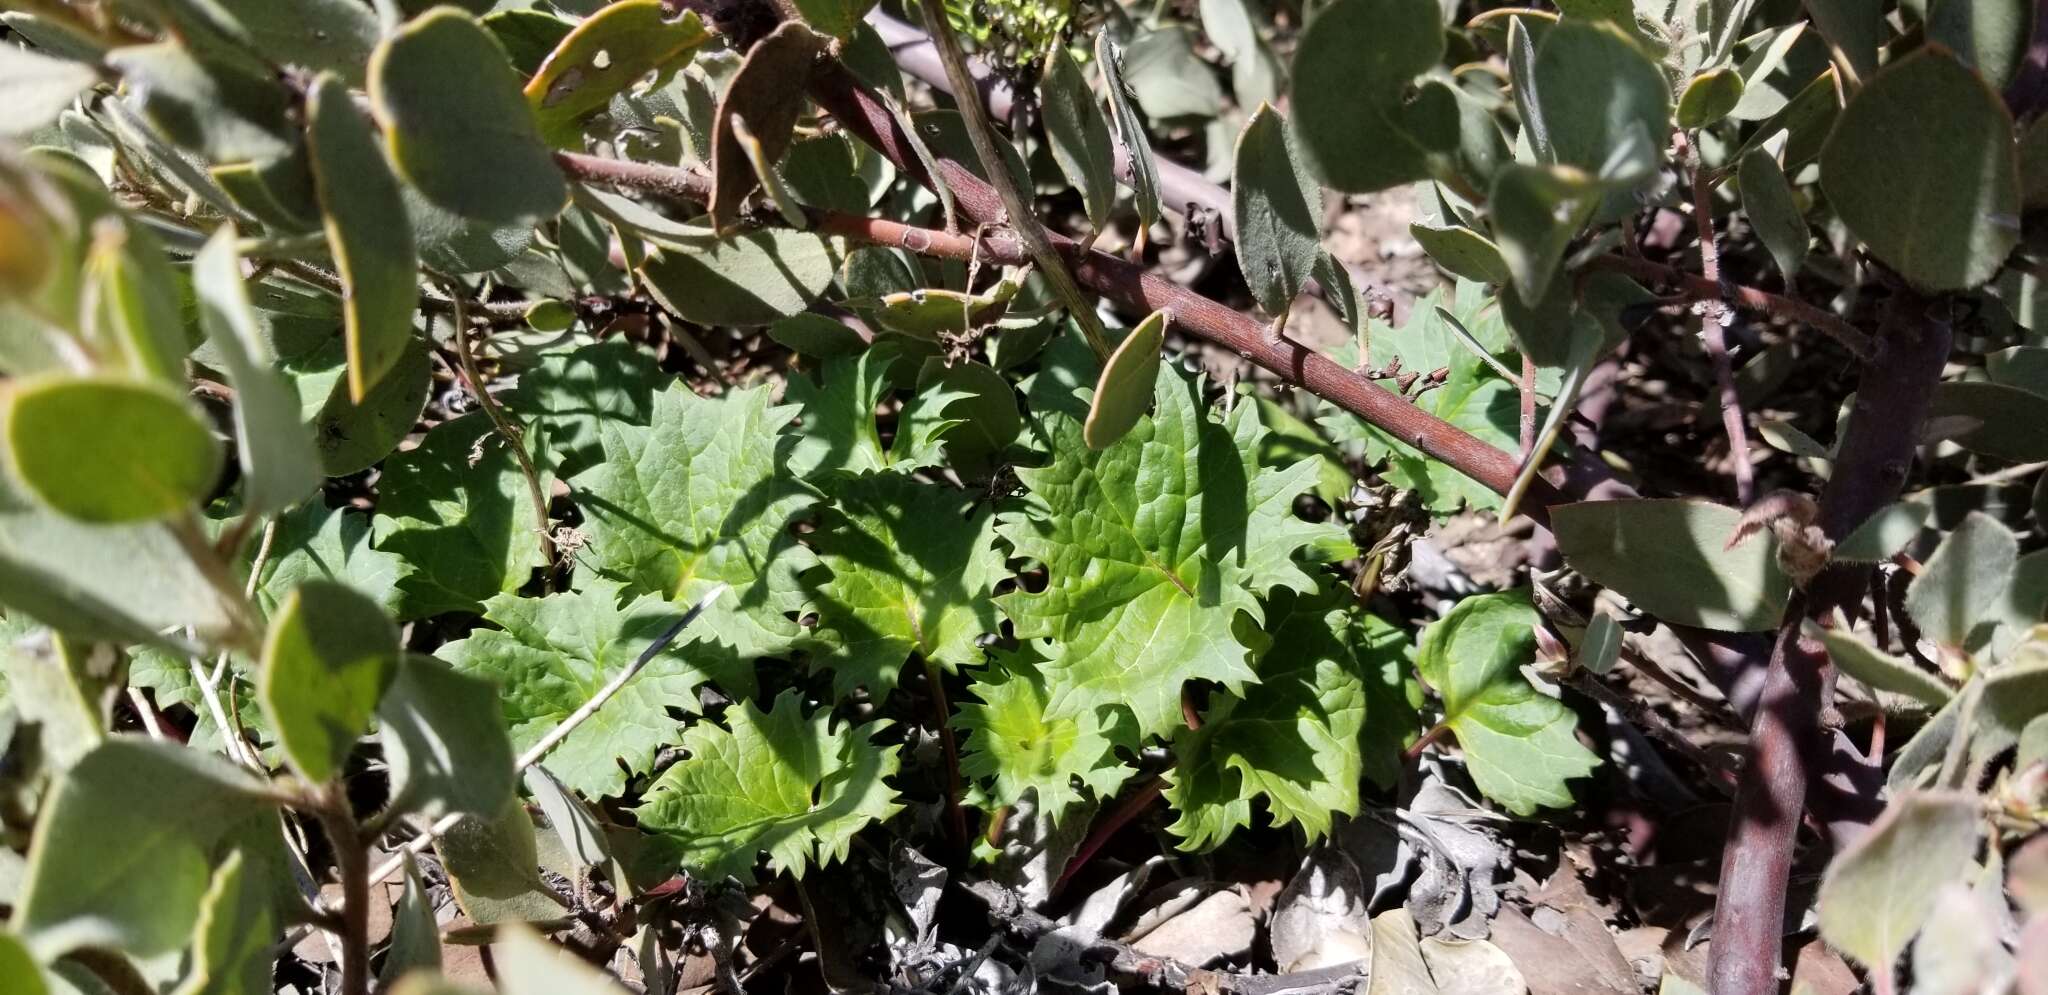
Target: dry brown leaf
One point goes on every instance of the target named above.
(1581, 958)
(768, 93)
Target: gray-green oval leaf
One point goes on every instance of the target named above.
(1878, 892)
(1773, 210)
(1278, 207)
(368, 230)
(1709, 97)
(279, 463)
(329, 656)
(1877, 668)
(1078, 135)
(107, 450)
(751, 279)
(457, 124)
(1921, 166)
(1352, 73)
(1670, 557)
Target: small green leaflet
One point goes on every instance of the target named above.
(913, 566)
(1518, 742)
(1152, 547)
(1124, 391)
(603, 56)
(552, 654)
(456, 509)
(152, 454)
(1014, 749)
(1709, 97)
(778, 781)
(700, 498)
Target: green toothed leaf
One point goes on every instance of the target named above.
(1152, 547)
(703, 497)
(777, 781)
(913, 567)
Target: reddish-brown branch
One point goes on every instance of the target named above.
(1127, 284)
(943, 714)
(1788, 743)
(1714, 321)
(1139, 801)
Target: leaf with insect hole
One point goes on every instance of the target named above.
(605, 54)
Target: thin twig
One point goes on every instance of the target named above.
(1638, 712)
(146, 712)
(506, 429)
(1528, 388)
(262, 556)
(1022, 218)
(803, 897)
(351, 859)
(1714, 319)
(314, 276)
(1689, 694)
(1700, 288)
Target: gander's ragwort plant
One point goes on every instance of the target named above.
(352, 498)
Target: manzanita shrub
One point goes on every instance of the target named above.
(670, 422)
